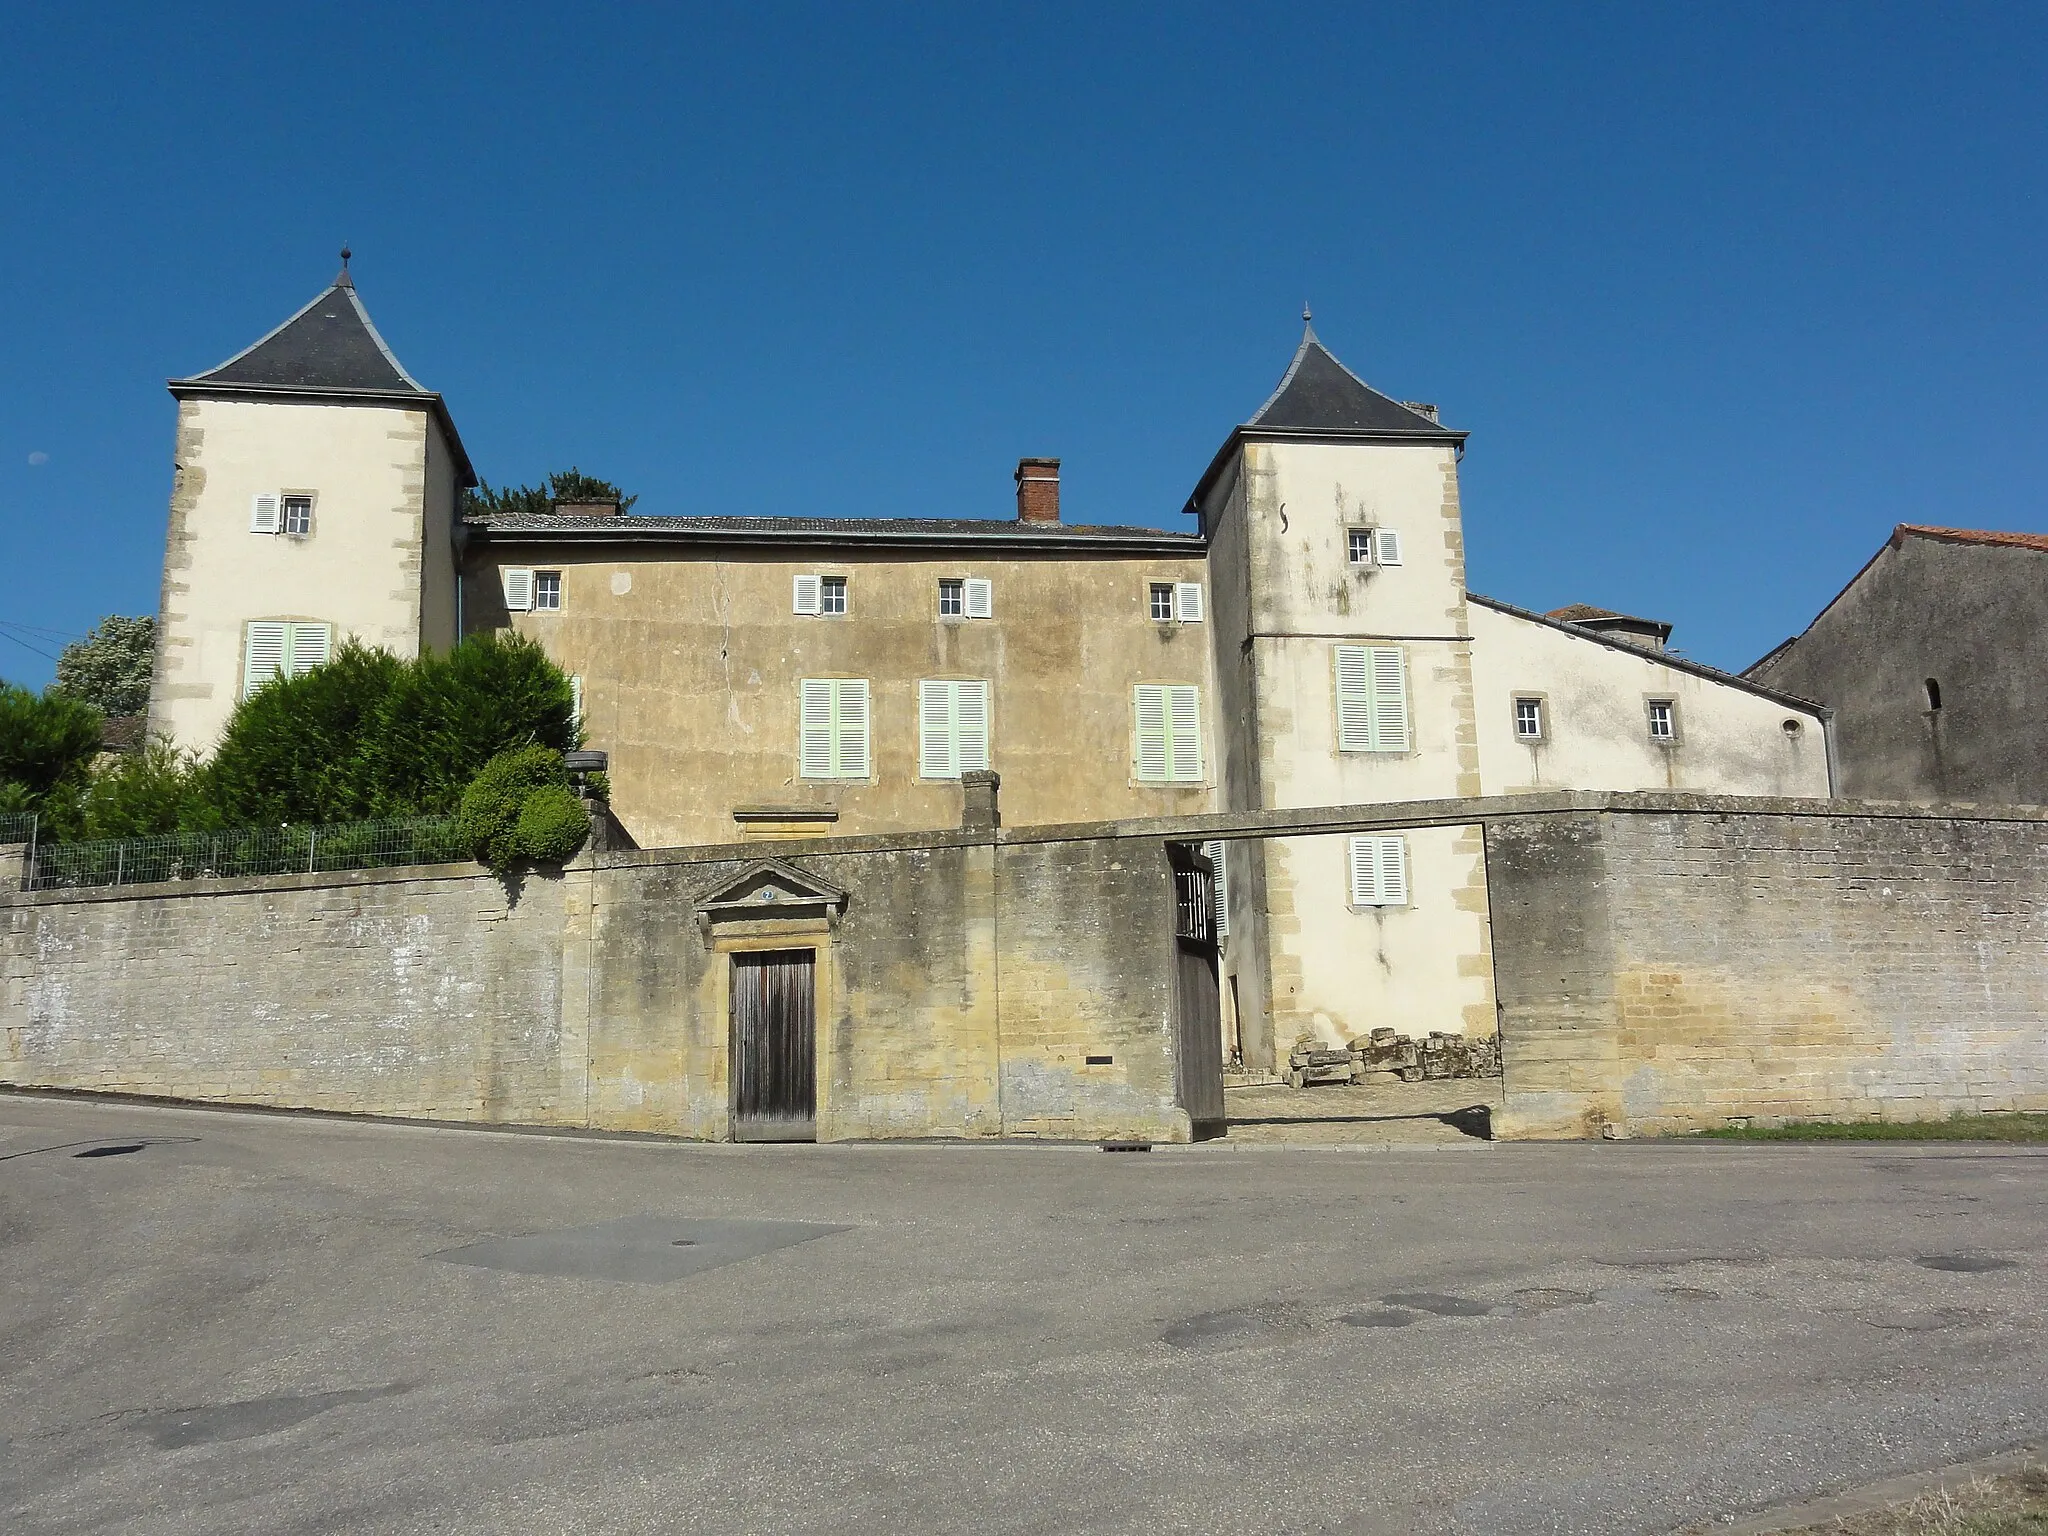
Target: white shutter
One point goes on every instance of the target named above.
(263, 652)
(850, 758)
(804, 595)
(311, 645)
(1215, 853)
(1393, 860)
(814, 729)
(265, 514)
(518, 589)
(981, 598)
(1151, 704)
(1365, 873)
(576, 700)
(1386, 546)
(1184, 733)
(1354, 699)
(1187, 602)
(935, 744)
(1389, 701)
(970, 725)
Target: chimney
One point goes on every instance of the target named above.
(586, 509)
(1038, 490)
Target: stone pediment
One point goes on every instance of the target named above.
(768, 888)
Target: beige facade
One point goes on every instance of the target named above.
(691, 662)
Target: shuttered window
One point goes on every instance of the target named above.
(1379, 872)
(1169, 734)
(1372, 699)
(518, 589)
(265, 513)
(1386, 546)
(1214, 851)
(981, 598)
(804, 596)
(952, 727)
(833, 728)
(274, 648)
(1187, 602)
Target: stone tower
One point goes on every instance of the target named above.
(315, 499)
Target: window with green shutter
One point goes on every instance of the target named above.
(1379, 872)
(1372, 699)
(1169, 733)
(277, 648)
(833, 728)
(952, 727)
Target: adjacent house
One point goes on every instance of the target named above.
(1310, 642)
(1927, 659)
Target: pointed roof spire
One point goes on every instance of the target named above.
(1319, 394)
(328, 345)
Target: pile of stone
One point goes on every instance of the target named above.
(1387, 1054)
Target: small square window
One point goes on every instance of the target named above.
(832, 594)
(1529, 719)
(1162, 601)
(1663, 720)
(1359, 542)
(547, 590)
(298, 515)
(952, 599)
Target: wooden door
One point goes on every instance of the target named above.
(774, 1046)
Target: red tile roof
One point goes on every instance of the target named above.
(1971, 536)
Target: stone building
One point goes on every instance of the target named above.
(1311, 644)
(1928, 659)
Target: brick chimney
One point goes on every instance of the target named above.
(1038, 490)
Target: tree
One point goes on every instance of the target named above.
(47, 745)
(144, 793)
(110, 668)
(569, 484)
(297, 749)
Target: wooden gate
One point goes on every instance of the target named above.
(1198, 1005)
(774, 1046)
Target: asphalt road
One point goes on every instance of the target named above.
(262, 1324)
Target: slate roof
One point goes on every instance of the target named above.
(630, 528)
(1319, 394)
(328, 345)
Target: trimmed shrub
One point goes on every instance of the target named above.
(552, 825)
(451, 713)
(295, 749)
(144, 794)
(495, 802)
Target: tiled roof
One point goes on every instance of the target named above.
(1586, 613)
(1319, 394)
(328, 345)
(827, 530)
(1971, 536)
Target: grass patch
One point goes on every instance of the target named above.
(2012, 1505)
(2007, 1127)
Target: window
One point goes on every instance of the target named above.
(1933, 694)
(1379, 872)
(547, 591)
(832, 594)
(969, 597)
(981, 598)
(276, 648)
(952, 727)
(1373, 546)
(952, 600)
(1529, 719)
(1663, 720)
(805, 598)
(518, 586)
(832, 728)
(298, 516)
(1359, 541)
(1187, 602)
(1372, 699)
(1169, 734)
(1214, 852)
(276, 512)
(1162, 601)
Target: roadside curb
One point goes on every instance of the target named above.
(1875, 1497)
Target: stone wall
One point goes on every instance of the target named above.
(962, 988)
(1662, 972)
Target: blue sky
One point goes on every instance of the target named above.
(1720, 293)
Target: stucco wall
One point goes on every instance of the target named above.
(959, 993)
(691, 666)
(366, 468)
(1970, 616)
(1596, 721)
(1661, 972)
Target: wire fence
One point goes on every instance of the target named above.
(18, 828)
(244, 851)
